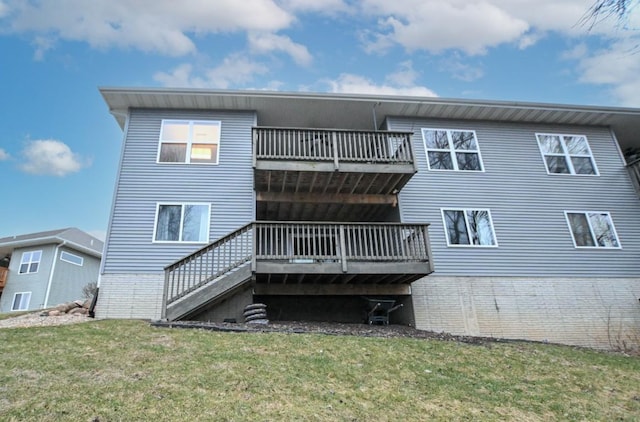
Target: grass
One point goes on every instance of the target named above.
(128, 371)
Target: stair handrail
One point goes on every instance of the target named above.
(180, 283)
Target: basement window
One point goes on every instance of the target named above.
(182, 223)
(592, 230)
(465, 227)
(21, 301)
(189, 141)
(30, 262)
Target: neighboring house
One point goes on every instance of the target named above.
(46, 269)
(525, 213)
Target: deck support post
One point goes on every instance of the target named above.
(165, 291)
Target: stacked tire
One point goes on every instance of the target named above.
(256, 313)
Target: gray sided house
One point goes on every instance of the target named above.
(513, 220)
(45, 269)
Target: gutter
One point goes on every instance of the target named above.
(51, 273)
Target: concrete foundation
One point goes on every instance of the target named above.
(600, 313)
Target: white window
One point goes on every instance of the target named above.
(191, 142)
(21, 301)
(592, 229)
(182, 223)
(452, 150)
(566, 154)
(465, 227)
(71, 258)
(30, 262)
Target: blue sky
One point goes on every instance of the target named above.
(59, 146)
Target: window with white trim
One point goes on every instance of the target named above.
(566, 154)
(21, 301)
(30, 262)
(592, 229)
(468, 227)
(182, 223)
(189, 141)
(71, 258)
(452, 150)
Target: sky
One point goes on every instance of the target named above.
(60, 147)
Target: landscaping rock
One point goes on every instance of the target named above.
(78, 311)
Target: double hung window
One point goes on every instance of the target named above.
(30, 262)
(452, 150)
(182, 223)
(21, 301)
(189, 141)
(467, 227)
(566, 154)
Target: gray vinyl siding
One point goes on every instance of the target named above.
(142, 184)
(527, 204)
(36, 283)
(69, 279)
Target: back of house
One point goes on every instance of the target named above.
(480, 218)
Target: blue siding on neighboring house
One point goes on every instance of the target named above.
(69, 279)
(143, 183)
(527, 204)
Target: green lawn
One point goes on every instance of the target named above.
(128, 371)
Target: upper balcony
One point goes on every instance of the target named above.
(319, 161)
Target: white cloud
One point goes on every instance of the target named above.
(404, 76)
(162, 26)
(42, 45)
(327, 7)
(4, 155)
(51, 157)
(437, 25)
(356, 84)
(234, 70)
(4, 9)
(474, 26)
(265, 43)
(458, 68)
(617, 67)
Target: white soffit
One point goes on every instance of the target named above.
(345, 111)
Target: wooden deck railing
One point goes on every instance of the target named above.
(4, 273)
(295, 243)
(376, 147)
(634, 172)
(208, 263)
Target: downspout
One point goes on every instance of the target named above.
(53, 270)
(375, 119)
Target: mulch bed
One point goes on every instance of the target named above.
(340, 329)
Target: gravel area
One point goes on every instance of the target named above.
(35, 320)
